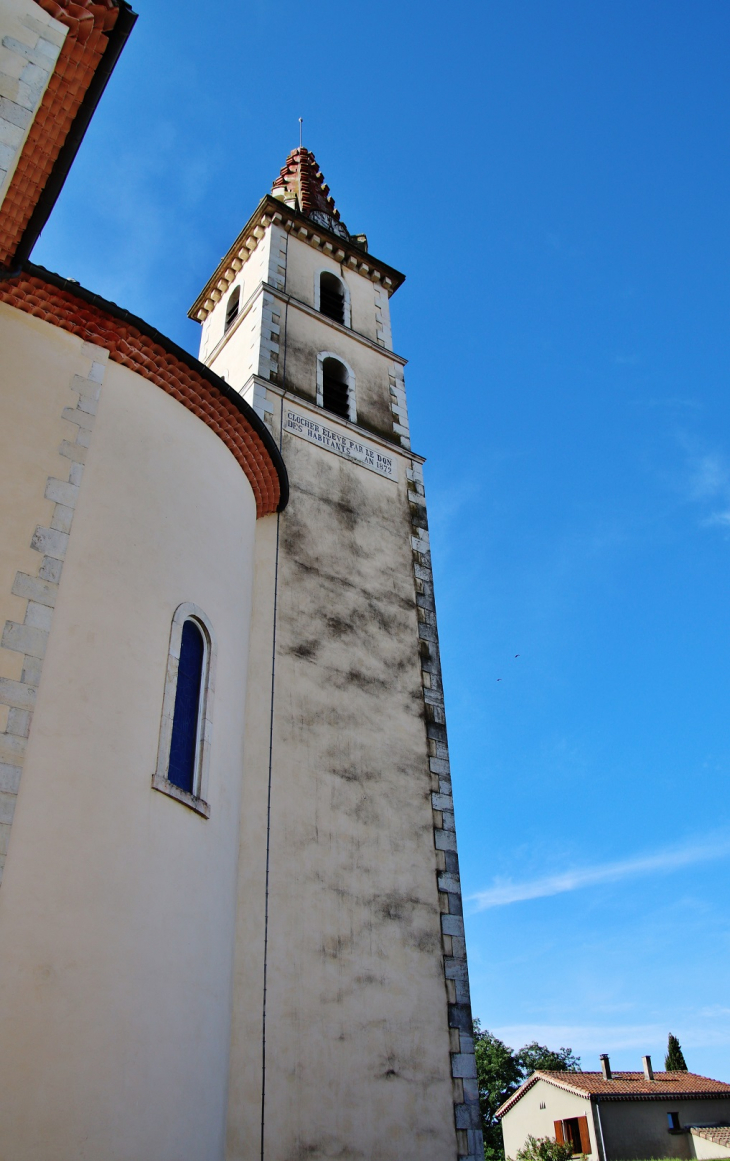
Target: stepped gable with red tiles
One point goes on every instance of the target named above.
(136, 346)
(302, 177)
(89, 25)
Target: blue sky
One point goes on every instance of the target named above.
(553, 178)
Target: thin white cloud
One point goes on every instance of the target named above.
(717, 518)
(709, 477)
(707, 482)
(504, 892)
(591, 1039)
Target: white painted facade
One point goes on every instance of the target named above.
(117, 907)
(706, 1146)
(342, 784)
(273, 964)
(619, 1128)
(637, 1129)
(536, 1112)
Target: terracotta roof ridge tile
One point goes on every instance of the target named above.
(301, 178)
(718, 1134)
(82, 17)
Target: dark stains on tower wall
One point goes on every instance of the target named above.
(372, 383)
(355, 815)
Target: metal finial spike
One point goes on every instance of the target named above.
(301, 119)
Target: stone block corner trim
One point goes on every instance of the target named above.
(40, 589)
(467, 1118)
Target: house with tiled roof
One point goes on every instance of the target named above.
(227, 839)
(612, 1116)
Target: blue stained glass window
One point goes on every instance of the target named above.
(184, 744)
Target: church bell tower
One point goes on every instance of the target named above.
(351, 1021)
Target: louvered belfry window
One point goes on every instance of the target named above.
(331, 297)
(335, 392)
(232, 307)
(184, 746)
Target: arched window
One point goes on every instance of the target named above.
(185, 732)
(331, 297)
(232, 307)
(184, 744)
(335, 387)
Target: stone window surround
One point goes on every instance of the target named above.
(351, 394)
(228, 322)
(196, 801)
(346, 291)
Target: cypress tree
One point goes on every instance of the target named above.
(674, 1060)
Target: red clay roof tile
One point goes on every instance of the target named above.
(625, 1085)
(718, 1134)
(82, 50)
(302, 177)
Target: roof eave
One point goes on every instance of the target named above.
(598, 1097)
(536, 1076)
(117, 38)
(517, 1095)
(273, 207)
(673, 1095)
(167, 344)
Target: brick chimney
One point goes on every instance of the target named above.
(606, 1066)
(648, 1070)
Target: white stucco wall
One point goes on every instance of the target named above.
(705, 1150)
(278, 335)
(253, 272)
(350, 977)
(357, 1039)
(307, 335)
(527, 1117)
(117, 907)
(303, 263)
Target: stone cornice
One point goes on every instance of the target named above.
(272, 211)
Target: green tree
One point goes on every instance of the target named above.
(500, 1070)
(535, 1056)
(544, 1149)
(498, 1075)
(674, 1060)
